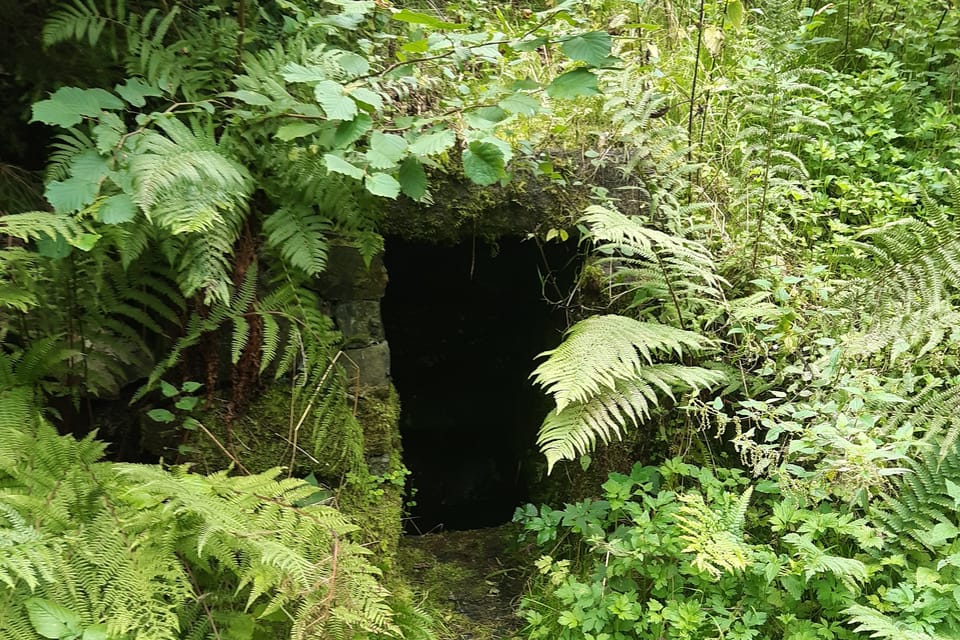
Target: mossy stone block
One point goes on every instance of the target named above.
(348, 277)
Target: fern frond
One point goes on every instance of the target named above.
(660, 271)
(878, 625)
(299, 234)
(604, 377)
(602, 350)
(714, 533)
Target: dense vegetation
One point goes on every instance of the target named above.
(778, 317)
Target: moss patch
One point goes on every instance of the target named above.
(378, 412)
(469, 580)
(462, 210)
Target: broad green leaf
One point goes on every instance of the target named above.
(85, 241)
(367, 97)
(296, 130)
(336, 164)
(383, 185)
(168, 390)
(592, 48)
(190, 386)
(386, 150)
(51, 620)
(353, 64)
(579, 82)
(249, 97)
(413, 179)
(55, 248)
(953, 490)
(430, 144)
(416, 46)
(108, 132)
(483, 163)
(136, 91)
(520, 103)
(89, 166)
(188, 403)
(413, 17)
(335, 104)
(485, 118)
(161, 415)
(68, 106)
(735, 13)
(350, 131)
(95, 632)
(71, 195)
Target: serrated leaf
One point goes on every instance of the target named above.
(118, 209)
(296, 130)
(352, 130)
(413, 179)
(483, 163)
(89, 166)
(579, 82)
(386, 150)
(161, 415)
(51, 620)
(353, 64)
(368, 97)
(188, 403)
(413, 17)
(416, 46)
(136, 91)
(71, 195)
(520, 103)
(383, 185)
(249, 97)
(485, 118)
(430, 144)
(68, 106)
(592, 48)
(336, 164)
(108, 132)
(335, 104)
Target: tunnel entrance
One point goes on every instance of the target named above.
(464, 323)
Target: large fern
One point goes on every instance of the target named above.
(922, 507)
(605, 377)
(123, 550)
(665, 276)
(908, 274)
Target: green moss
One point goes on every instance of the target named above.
(462, 210)
(468, 580)
(329, 442)
(378, 412)
(332, 446)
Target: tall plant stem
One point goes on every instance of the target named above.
(693, 83)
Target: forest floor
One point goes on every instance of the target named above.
(471, 580)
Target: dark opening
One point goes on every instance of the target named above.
(464, 324)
